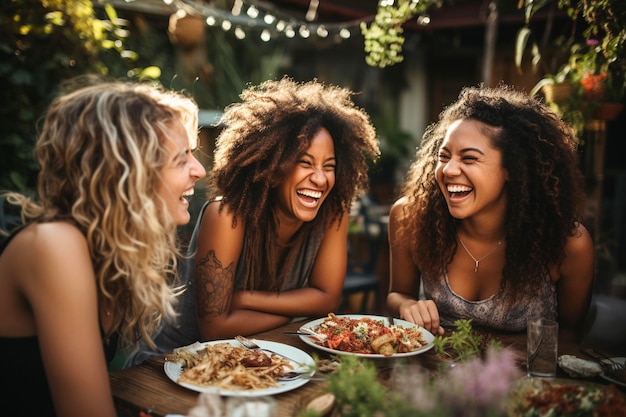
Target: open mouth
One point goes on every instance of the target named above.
(459, 191)
(187, 195)
(309, 196)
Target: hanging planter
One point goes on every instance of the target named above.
(187, 31)
(608, 111)
(557, 92)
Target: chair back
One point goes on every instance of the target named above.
(365, 236)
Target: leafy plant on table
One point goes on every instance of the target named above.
(359, 393)
(462, 343)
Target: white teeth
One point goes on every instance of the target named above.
(458, 188)
(188, 193)
(310, 193)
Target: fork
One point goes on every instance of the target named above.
(612, 366)
(291, 375)
(250, 344)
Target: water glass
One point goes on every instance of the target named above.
(542, 347)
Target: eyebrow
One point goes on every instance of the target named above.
(181, 155)
(330, 158)
(464, 150)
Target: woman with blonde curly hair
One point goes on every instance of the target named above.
(95, 260)
(271, 241)
(489, 219)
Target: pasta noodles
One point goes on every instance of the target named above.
(230, 367)
(366, 335)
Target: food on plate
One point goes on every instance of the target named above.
(367, 335)
(543, 397)
(225, 366)
(576, 367)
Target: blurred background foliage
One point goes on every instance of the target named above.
(44, 42)
(41, 44)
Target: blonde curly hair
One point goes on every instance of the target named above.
(100, 150)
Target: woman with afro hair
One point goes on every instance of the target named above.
(270, 243)
(489, 219)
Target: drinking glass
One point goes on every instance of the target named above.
(542, 347)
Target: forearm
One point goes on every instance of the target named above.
(293, 303)
(396, 299)
(239, 322)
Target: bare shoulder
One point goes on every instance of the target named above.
(397, 208)
(42, 238)
(580, 243)
(52, 257)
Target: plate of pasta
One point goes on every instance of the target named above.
(226, 367)
(367, 336)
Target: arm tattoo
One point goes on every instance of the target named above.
(214, 286)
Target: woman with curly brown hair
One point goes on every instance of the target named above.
(271, 241)
(92, 263)
(489, 220)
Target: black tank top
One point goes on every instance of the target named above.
(25, 389)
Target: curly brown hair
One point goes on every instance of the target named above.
(263, 138)
(545, 190)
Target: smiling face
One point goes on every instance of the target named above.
(304, 190)
(469, 172)
(179, 174)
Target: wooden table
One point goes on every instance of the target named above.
(146, 389)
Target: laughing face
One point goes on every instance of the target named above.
(179, 174)
(304, 190)
(469, 172)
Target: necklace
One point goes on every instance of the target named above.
(477, 261)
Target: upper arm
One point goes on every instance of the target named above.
(575, 282)
(219, 247)
(61, 289)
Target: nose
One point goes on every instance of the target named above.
(451, 167)
(318, 176)
(197, 170)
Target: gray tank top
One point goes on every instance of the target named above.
(185, 331)
(500, 311)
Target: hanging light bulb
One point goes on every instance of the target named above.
(240, 33)
(269, 19)
(311, 13)
(344, 33)
(226, 25)
(236, 10)
(289, 32)
(266, 35)
(211, 21)
(253, 12)
(304, 32)
(423, 20)
(281, 25)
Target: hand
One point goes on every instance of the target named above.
(424, 313)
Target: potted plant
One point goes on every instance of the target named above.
(587, 83)
(594, 67)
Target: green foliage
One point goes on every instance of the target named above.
(384, 38)
(42, 43)
(462, 344)
(357, 390)
(359, 393)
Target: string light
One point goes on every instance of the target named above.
(250, 16)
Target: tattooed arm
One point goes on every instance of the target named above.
(218, 249)
(224, 313)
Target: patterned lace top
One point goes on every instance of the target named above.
(500, 311)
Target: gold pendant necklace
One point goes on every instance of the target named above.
(477, 261)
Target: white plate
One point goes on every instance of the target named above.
(608, 378)
(428, 337)
(300, 360)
